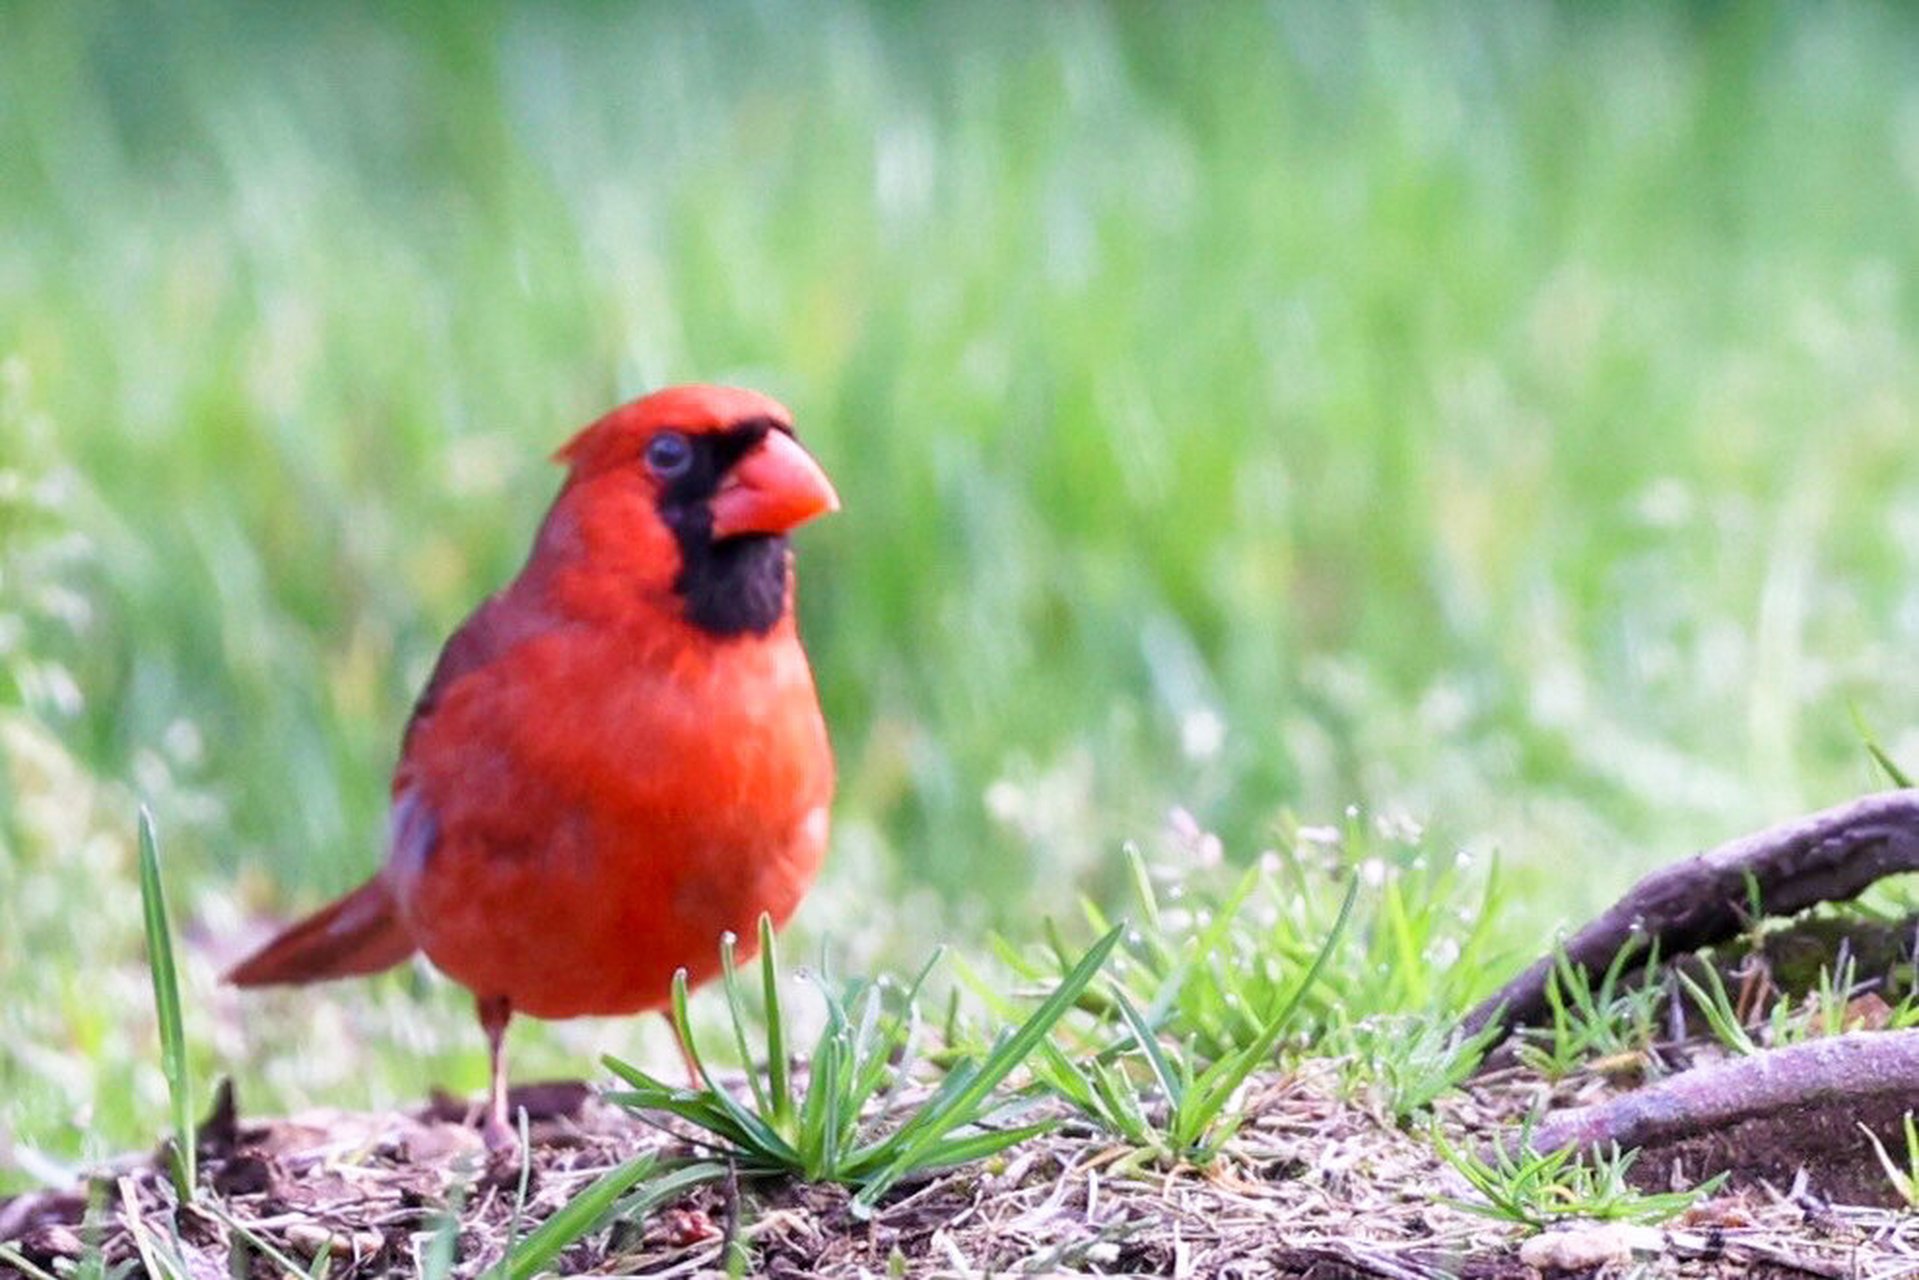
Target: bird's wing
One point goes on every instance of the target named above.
(488, 632)
(364, 932)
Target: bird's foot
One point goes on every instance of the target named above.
(500, 1137)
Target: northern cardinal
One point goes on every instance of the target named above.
(620, 756)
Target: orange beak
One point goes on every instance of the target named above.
(774, 488)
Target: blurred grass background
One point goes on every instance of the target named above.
(1498, 415)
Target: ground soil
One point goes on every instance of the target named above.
(1315, 1185)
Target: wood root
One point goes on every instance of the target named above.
(1836, 1071)
(1826, 857)
(1810, 1111)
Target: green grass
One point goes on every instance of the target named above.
(1198, 1095)
(865, 1058)
(1587, 1020)
(1497, 418)
(1538, 1188)
(166, 1005)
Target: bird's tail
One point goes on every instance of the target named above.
(360, 933)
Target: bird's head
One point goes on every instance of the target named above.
(727, 480)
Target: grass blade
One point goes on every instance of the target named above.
(166, 1004)
(819, 1114)
(730, 980)
(580, 1216)
(1169, 1080)
(1144, 893)
(1887, 765)
(1717, 1008)
(1219, 1081)
(976, 1146)
(943, 1116)
(1880, 756)
(684, 1026)
(778, 1075)
(711, 1108)
(669, 1187)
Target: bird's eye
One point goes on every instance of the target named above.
(669, 455)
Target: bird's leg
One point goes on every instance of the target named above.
(694, 1079)
(495, 1013)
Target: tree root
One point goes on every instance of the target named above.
(1767, 1117)
(1778, 1113)
(1834, 1071)
(1826, 857)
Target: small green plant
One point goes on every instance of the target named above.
(1407, 1061)
(1210, 954)
(611, 1196)
(1195, 1101)
(1592, 1022)
(1832, 997)
(1534, 1189)
(1905, 1180)
(866, 1054)
(1716, 1006)
(166, 1003)
(1824, 1011)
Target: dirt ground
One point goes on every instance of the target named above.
(1313, 1186)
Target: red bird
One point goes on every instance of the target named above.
(620, 756)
